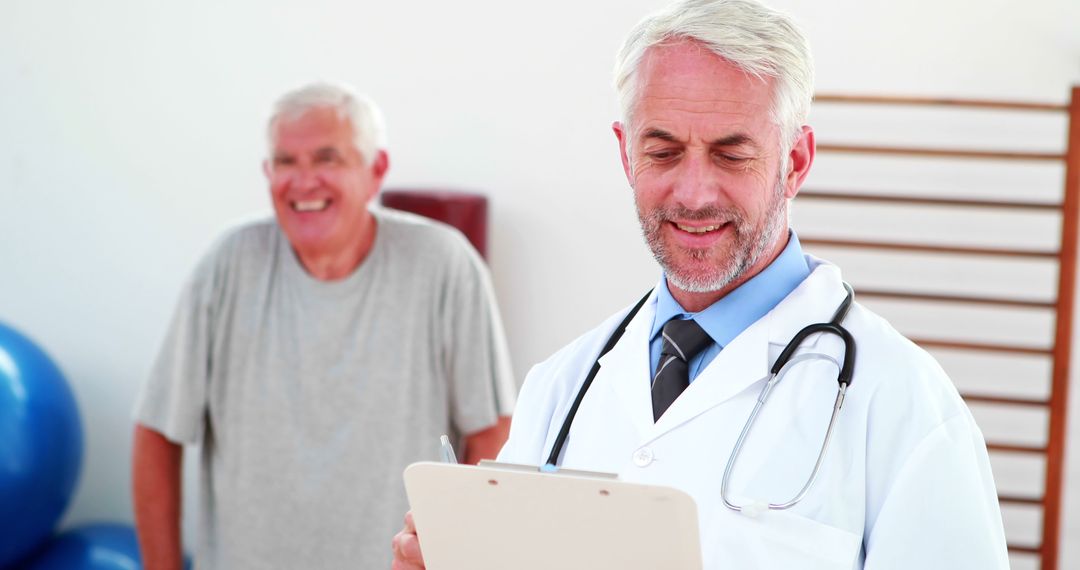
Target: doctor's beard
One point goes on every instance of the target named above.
(751, 243)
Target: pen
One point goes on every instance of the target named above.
(446, 452)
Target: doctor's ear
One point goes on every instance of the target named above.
(624, 144)
(800, 157)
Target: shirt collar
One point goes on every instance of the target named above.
(734, 312)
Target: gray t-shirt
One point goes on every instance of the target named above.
(309, 398)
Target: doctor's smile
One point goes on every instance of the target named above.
(697, 237)
(695, 229)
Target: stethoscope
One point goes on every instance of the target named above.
(779, 369)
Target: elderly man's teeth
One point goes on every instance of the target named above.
(694, 230)
(310, 205)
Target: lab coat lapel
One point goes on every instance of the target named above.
(625, 369)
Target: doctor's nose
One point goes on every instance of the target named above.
(696, 183)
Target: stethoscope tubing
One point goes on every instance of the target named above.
(762, 397)
(784, 362)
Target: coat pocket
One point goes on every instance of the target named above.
(781, 539)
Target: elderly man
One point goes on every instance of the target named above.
(313, 358)
(714, 95)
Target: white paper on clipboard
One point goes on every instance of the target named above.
(490, 518)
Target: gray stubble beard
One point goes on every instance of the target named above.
(747, 251)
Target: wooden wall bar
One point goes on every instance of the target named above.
(1064, 253)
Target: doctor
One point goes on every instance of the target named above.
(715, 94)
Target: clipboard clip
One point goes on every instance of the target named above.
(547, 468)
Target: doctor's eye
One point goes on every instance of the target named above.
(730, 159)
(663, 155)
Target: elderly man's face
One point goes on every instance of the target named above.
(319, 183)
(703, 157)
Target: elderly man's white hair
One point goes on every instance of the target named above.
(369, 133)
(754, 38)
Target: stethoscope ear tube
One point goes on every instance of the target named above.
(834, 327)
(848, 366)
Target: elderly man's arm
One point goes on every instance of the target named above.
(156, 491)
(485, 444)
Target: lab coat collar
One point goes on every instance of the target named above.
(742, 363)
(815, 300)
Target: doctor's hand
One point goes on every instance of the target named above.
(407, 555)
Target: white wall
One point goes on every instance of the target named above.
(131, 134)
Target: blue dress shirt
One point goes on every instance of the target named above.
(732, 314)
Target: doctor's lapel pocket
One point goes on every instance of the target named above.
(782, 539)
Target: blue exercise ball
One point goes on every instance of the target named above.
(40, 445)
(98, 546)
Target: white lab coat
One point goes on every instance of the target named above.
(906, 482)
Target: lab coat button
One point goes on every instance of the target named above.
(643, 457)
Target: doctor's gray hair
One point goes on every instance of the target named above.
(369, 133)
(758, 40)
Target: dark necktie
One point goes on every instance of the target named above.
(683, 339)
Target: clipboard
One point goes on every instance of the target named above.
(500, 517)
